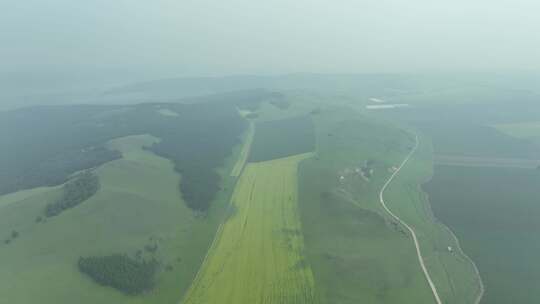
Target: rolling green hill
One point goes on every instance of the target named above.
(137, 211)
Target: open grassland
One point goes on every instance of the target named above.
(281, 138)
(521, 130)
(469, 139)
(476, 161)
(494, 212)
(357, 252)
(23, 195)
(167, 112)
(138, 204)
(484, 105)
(454, 94)
(450, 269)
(244, 152)
(257, 256)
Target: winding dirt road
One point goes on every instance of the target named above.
(415, 239)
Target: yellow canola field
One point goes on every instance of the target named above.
(257, 256)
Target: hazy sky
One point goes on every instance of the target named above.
(201, 37)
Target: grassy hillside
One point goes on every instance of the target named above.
(136, 208)
(494, 212)
(451, 271)
(357, 252)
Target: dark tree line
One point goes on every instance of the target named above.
(55, 170)
(51, 143)
(76, 191)
(281, 138)
(198, 143)
(42, 146)
(121, 272)
(14, 234)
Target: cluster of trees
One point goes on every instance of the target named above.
(14, 234)
(43, 146)
(121, 272)
(56, 170)
(281, 138)
(76, 191)
(51, 143)
(198, 142)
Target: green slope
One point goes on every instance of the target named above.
(357, 252)
(138, 204)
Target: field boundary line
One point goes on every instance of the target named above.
(415, 239)
(483, 161)
(244, 152)
(226, 215)
(205, 260)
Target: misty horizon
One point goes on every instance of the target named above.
(205, 38)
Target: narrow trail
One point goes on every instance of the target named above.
(415, 239)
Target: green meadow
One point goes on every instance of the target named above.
(494, 212)
(450, 269)
(521, 129)
(138, 204)
(357, 252)
(490, 200)
(472, 139)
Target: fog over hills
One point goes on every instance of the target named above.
(60, 49)
(255, 152)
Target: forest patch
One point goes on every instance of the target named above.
(282, 138)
